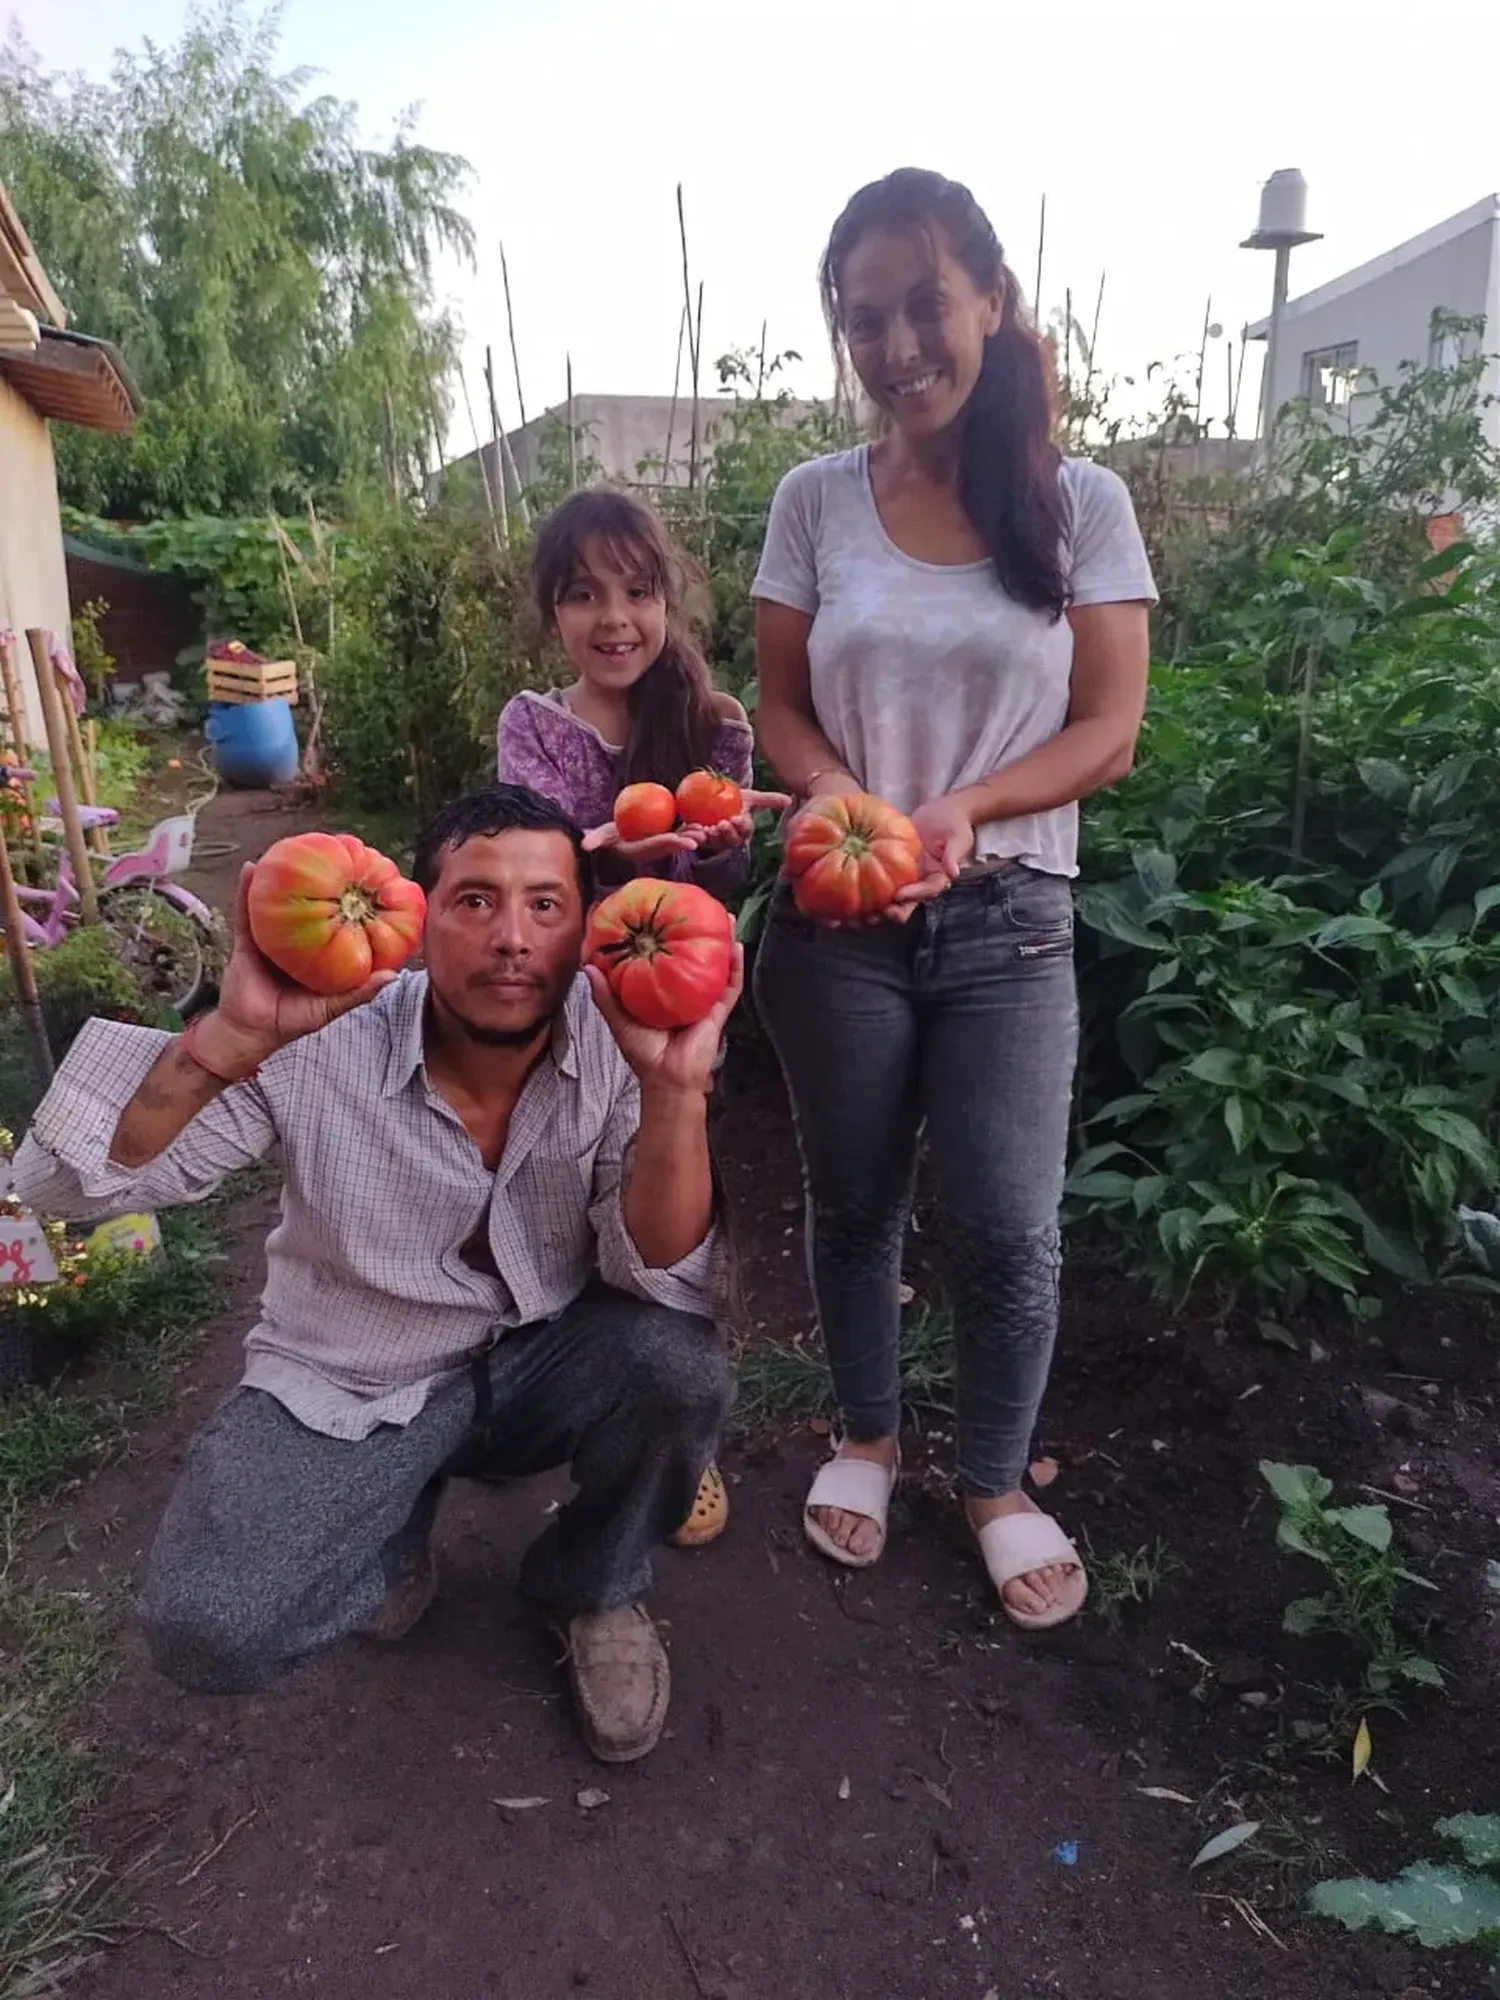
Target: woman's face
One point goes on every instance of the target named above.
(916, 324)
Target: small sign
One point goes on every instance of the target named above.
(25, 1254)
(126, 1236)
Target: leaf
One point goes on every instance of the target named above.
(520, 1805)
(1234, 1120)
(1217, 1066)
(1477, 1835)
(1370, 1525)
(1492, 1577)
(1295, 1485)
(1437, 1904)
(1387, 781)
(1101, 1187)
(1225, 1843)
(1304, 1615)
(1486, 899)
(1421, 1672)
(1363, 1748)
(591, 1798)
(1163, 1792)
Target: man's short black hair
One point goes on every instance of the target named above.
(497, 809)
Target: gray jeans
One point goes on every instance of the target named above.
(962, 1022)
(279, 1540)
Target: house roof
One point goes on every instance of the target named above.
(73, 378)
(21, 273)
(1482, 212)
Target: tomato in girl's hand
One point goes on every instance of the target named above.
(642, 811)
(846, 857)
(328, 911)
(708, 798)
(665, 948)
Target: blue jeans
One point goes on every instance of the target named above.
(963, 1023)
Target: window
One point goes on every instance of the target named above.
(1328, 375)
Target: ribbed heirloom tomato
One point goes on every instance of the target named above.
(329, 911)
(847, 856)
(643, 810)
(665, 949)
(708, 798)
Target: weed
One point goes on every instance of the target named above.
(788, 1382)
(1365, 1577)
(1122, 1578)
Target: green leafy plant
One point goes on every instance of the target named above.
(1365, 1579)
(1434, 1903)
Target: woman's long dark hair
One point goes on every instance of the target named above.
(1008, 474)
(671, 708)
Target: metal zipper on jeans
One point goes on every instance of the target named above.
(1048, 948)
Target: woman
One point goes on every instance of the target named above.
(954, 618)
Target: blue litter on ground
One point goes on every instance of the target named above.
(1066, 1852)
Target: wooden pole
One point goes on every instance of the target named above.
(67, 799)
(18, 951)
(693, 330)
(666, 464)
(484, 470)
(510, 321)
(1041, 245)
(572, 435)
(17, 710)
(96, 836)
(495, 436)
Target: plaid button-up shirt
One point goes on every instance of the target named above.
(369, 1300)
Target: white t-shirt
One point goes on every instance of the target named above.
(928, 676)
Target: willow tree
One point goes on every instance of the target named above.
(269, 278)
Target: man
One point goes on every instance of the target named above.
(496, 1252)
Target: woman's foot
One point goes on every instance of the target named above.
(859, 1535)
(1039, 1593)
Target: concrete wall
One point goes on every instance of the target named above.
(1389, 314)
(33, 575)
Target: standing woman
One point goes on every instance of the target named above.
(954, 618)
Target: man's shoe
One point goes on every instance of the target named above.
(407, 1599)
(621, 1682)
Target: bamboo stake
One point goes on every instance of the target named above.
(484, 470)
(693, 333)
(1041, 244)
(495, 436)
(697, 354)
(96, 836)
(572, 435)
(16, 707)
(67, 799)
(18, 951)
(666, 464)
(510, 321)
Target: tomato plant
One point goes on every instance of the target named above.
(847, 856)
(644, 810)
(328, 911)
(665, 949)
(708, 798)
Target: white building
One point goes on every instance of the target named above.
(1370, 320)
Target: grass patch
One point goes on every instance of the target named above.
(54, 1902)
(1122, 1579)
(787, 1381)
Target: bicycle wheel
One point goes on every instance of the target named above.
(161, 944)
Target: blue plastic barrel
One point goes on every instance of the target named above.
(254, 742)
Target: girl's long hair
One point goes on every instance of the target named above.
(1008, 472)
(671, 708)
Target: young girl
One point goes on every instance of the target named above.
(611, 587)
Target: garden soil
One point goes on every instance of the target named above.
(872, 1787)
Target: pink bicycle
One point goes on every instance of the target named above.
(164, 933)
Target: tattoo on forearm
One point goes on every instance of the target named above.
(171, 1094)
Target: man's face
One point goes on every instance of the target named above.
(505, 932)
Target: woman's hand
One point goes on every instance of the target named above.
(947, 835)
(642, 853)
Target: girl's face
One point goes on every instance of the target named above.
(916, 324)
(612, 622)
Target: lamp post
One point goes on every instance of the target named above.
(1282, 226)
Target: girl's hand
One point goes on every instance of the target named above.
(737, 832)
(641, 853)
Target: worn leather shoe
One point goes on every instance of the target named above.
(408, 1596)
(621, 1682)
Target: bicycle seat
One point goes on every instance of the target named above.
(88, 815)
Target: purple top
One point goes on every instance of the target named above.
(541, 744)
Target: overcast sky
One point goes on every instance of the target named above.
(1149, 127)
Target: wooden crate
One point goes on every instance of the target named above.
(233, 680)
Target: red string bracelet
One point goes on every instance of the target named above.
(190, 1049)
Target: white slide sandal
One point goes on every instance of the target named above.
(854, 1486)
(1016, 1544)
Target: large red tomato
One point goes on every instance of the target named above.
(847, 856)
(665, 949)
(643, 810)
(329, 911)
(708, 798)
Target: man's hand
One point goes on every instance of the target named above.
(259, 1011)
(672, 1061)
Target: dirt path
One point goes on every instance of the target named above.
(871, 1786)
